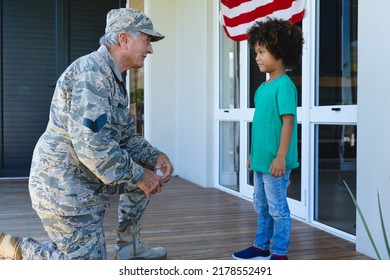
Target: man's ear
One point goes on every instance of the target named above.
(123, 39)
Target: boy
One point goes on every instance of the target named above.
(277, 45)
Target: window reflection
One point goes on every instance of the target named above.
(229, 145)
(338, 53)
(136, 93)
(137, 98)
(294, 190)
(335, 163)
(229, 97)
(249, 174)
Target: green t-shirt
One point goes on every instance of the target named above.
(272, 100)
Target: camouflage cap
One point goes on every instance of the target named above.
(131, 20)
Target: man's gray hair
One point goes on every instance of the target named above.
(111, 39)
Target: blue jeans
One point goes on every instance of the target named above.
(274, 221)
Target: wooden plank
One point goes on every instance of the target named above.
(191, 222)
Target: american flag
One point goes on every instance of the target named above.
(238, 16)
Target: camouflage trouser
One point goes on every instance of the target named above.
(81, 237)
(131, 206)
(73, 237)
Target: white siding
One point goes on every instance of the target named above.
(181, 77)
(373, 122)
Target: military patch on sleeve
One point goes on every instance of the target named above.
(96, 125)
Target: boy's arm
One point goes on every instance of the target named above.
(278, 165)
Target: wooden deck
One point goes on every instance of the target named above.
(191, 222)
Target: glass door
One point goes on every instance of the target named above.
(333, 115)
(228, 116)
(327, 122)
(239, 77)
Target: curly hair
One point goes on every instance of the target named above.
(281, 38)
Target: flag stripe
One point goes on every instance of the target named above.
(282, 13)
(234, 3)
(258, 12)
(239, 15)
(235, 8)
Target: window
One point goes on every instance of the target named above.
(136, 83)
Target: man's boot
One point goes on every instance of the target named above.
(130, 247)
(10, 247)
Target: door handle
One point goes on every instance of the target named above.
(337, 109)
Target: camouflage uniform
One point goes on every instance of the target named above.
(89, 150)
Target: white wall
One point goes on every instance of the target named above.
(160, 80)
(373, 123)
(182, 82)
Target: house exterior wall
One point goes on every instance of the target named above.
(373, 157)
(182, 77)
(160, 80)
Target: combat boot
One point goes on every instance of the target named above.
(10, 247)
(130, 247)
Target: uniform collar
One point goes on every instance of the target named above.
(106, 54)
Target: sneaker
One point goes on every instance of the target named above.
(130, 247)
(10, 247)
(252, 253)
(278, 257)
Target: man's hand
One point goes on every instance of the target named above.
(151, 183)
(165, 166)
